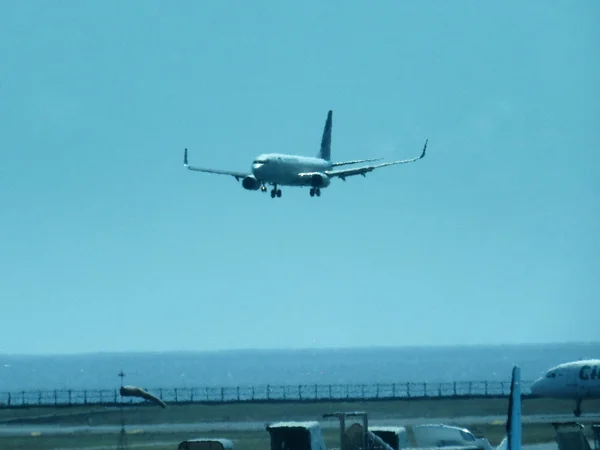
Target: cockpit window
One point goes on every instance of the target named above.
(551, 375)
(467, 436)
(261, 161)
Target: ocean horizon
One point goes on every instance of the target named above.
(260, 367)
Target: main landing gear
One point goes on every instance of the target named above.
(274, 192)
(315, 191)
(577, 411)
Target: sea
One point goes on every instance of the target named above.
(286, 367)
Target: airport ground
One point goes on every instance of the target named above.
(85, 427)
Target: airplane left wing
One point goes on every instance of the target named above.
(355, 161)
(365, 169)
(236, 175)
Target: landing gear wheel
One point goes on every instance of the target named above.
(314, 191)
(275, 192)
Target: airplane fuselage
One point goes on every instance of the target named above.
(283, 170)
(575, 380)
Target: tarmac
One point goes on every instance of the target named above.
(223, 426)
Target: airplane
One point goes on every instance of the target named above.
(278, 169)
(575, 380)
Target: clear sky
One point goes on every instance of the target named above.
(108, 244)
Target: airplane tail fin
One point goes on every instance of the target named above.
(325, 151)
(513, 439)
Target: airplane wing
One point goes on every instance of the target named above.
(236, 175)
(343, 173)
(356, 161)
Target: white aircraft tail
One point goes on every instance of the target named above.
(513, 438)
(325, 151)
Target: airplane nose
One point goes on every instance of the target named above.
(536, 387)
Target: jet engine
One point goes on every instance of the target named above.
(319, 180)
(251, 183)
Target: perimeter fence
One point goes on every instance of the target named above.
(266, 394)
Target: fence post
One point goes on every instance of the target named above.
(39, 398)
(253, 393)
(8, 401)
(470, 388)
(23, 397)
(268, 392)
(330, 395)
(393, 390)
(408, 389)
(176, 399)
(55, 398)
(85, 396)
(300, 392)
(191, 395)
(362, 392)
(238, 393)
(222, 395)
(377, 391)
(70, 398)
(439, 389)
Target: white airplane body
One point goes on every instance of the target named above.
(577, 380)
(279, 169)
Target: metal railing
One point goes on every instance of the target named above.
(267, 394)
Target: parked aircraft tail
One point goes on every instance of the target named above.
(325, 151)
(513, 439)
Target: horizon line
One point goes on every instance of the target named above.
(300, 349)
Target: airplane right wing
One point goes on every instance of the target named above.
(236, 175)
(343, 173)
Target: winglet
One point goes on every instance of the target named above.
(185, 160)
(424, 149)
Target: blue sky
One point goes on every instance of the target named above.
(108, 244)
